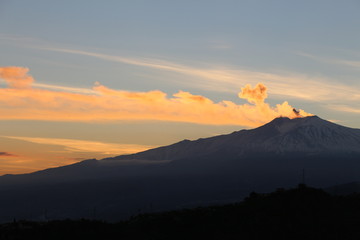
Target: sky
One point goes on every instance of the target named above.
(93, 79)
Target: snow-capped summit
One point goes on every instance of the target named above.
(311, 135)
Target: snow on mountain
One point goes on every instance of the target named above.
(310, 134)
(282, 135)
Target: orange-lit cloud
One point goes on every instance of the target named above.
(55, 152)
(255, 95)
(74, 145)
(16, 77)
(21, 101)
(33, 162)
(6, 154)
(15, 163)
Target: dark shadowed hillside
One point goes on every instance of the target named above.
(301, 213)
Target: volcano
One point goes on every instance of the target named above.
(309, 135)
(225, 168)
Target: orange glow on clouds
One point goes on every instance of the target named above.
(74, 145)
(16, 77)
(21, 100)
(29, 154)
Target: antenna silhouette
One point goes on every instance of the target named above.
(302, 180)
(303, 176)
(94, 212)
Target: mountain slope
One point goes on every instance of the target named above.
(190, 173)
(305, 135)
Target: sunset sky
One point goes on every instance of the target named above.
(93, 79)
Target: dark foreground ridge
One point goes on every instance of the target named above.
(301, 213)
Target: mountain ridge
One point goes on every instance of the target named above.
(276, 136)
(222, 168)
(278, 129)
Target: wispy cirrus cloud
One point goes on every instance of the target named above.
(217, 78)
(59, 88)
(345, 108)
(287, 85)
(64, 88)
(344, 62)
(223, 78)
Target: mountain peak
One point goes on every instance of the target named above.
(282, 135)
(308, 134)
(285, 124)
(281, 120)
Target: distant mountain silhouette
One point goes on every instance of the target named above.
(218, 169)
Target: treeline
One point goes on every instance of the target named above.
(300, 213)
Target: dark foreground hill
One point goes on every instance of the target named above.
(301, 213)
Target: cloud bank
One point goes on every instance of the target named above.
(23, 100)
(6, 154)
(74, 145)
